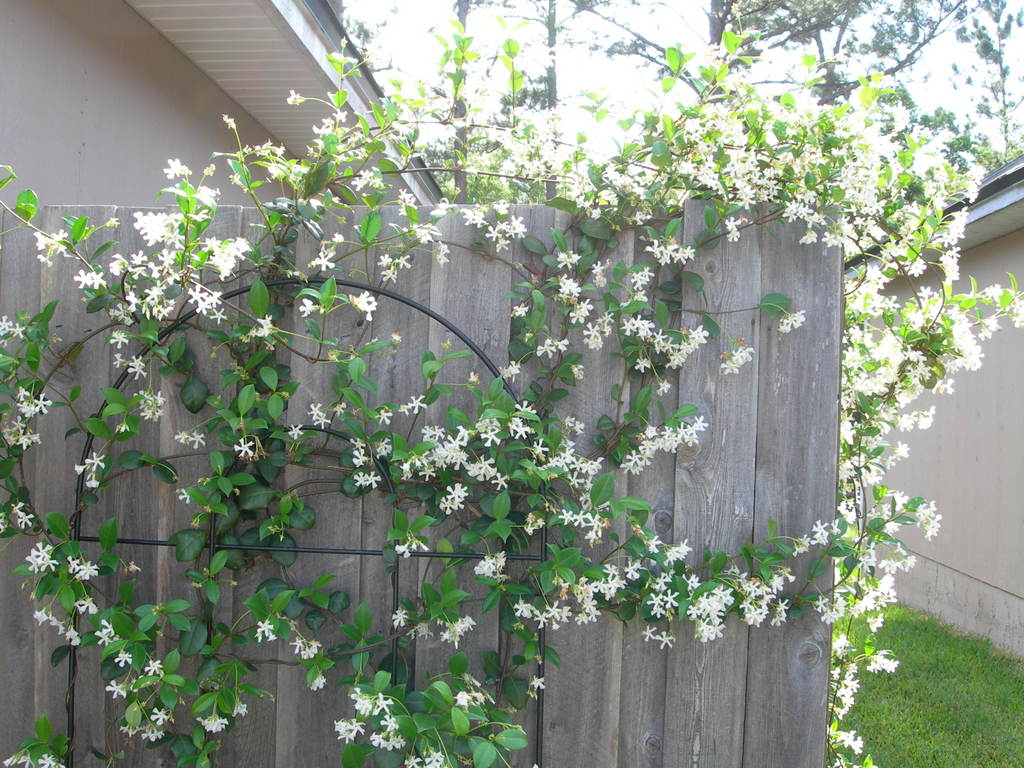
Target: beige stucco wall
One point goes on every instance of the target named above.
(93, 101)
(971, 461)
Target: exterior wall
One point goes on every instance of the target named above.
(94, 100)
(971, 462)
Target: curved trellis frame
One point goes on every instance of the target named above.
(213, 545)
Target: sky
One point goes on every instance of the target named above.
(406, 39)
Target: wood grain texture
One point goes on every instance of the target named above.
(797, 450)
(591, 654)
(643, 668)
(714, 503)
(253, 739)
(472, 293)
(19, 292)
(302, 720)
(398, 378)
(54, 487)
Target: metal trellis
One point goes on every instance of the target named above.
(215, 546)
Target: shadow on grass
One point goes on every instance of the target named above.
(954, 702)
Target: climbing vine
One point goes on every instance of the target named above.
(519, 497)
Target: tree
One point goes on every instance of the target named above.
(884, 35)
(1001, 91)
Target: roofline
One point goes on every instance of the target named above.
(992, 184)
(997, 191)
(331, 25)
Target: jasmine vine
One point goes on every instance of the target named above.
(510, 473)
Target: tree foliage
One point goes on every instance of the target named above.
(1000, 90)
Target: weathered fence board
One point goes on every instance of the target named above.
(797, 432)
(19, 286)
(571, 735)
(752, 699)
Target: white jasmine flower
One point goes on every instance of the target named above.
(176, 170)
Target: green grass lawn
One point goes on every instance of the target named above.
(954, 702)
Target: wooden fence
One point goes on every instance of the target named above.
(753, 699)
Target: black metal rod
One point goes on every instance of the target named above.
(214, 546)
(538, 746)
(211, 532)
(394, 609)
(463, 337)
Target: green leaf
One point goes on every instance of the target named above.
(460, 723)
(193, 394)
(515, 690)
(165, 472)
(133, 714)
(563, 204)
(338, 602)
(512, 738)
(58, 525)
(354, 755)
(287, 559)
(60, 653)
(218, 561)
(731, 41)
(533, 245)
(439, 695)
(26, 204)
(661, 313)
(712, 327)
(362, 619)
(596, 229)
(458, 664)
(356, 369)
(316, 179)
(275, 406)
(774, 303)
(369, 227)
(188, 544)
(43, 729)
(131, 459)
(674, 59)
(108, 534)
(255, 496)
(193, 639)
(259, 298)
(246, 399)
(601, 492)
(502, 505)
(484, 754)
(98, 428)
(269, 377)
(694, 280)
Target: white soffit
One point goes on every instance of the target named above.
(258, 51)
(994, 217)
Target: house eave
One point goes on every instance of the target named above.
(258, 51)
(999, 207)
